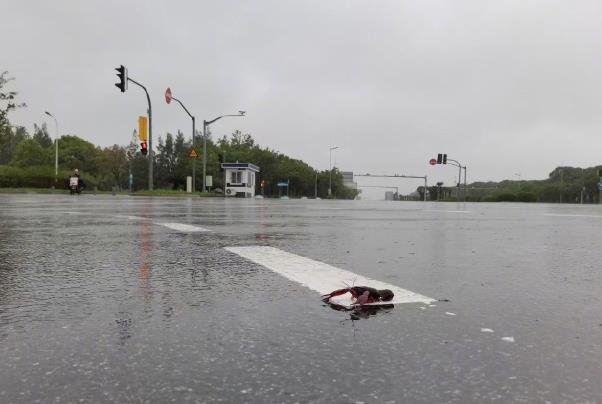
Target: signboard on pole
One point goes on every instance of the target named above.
(600, 185)
(209, 181)
(193, 153)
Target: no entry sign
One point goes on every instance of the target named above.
(433, 162)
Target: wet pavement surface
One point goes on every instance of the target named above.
(100, 301)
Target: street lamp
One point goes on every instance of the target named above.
(330, 165)
(168, 98)
(205, 125)
(56, 148)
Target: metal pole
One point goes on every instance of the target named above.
(56, 148)
(464, 183)
(150, 143)
(205, 155)
(425, 188)
(150, 135)
(205, 125)
(316, 187)
(330, 173)
(194, 159)
(330, 177)
(56, 153)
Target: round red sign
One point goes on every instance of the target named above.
(433, 162)
(168, 95)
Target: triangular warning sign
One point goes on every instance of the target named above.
(193, 153)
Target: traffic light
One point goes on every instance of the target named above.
(445, 159)
(439, 158)
(143, 148)
(122, 74)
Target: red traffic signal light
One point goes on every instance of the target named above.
(122, 74)
(144, 148)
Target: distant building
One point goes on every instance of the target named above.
(348, 179)
(239, 179)
(389, 196)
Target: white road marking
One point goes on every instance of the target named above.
(486, 330)
(318, 276)
(508, 339)
(570, 215)
(131, 217)
(187, 228)
(446, 211)
(450, 314)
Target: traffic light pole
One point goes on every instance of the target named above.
(150, 135)
(460, 167)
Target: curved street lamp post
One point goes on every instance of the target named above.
(330, 167)
(56, 149)
(205, 125)
(168, 98)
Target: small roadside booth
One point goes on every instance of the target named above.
(239, 179)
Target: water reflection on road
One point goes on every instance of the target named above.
(99, 303)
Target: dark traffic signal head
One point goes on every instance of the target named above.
(439, 158)
(445, 159)
(143, 148)
(122, 74)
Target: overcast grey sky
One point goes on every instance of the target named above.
(505, 87)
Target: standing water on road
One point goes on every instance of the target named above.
(122, 299)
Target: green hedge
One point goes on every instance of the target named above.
(36, 177)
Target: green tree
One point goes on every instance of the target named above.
(75, 152)
(113, 167)
(40, 135)
(9, 138)
(30, 153)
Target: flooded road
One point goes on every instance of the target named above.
(133, 299)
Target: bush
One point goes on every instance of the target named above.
(505, 197)
(37, 177)
(34, 177)
(526, 197)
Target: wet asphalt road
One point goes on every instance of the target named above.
(100, 303)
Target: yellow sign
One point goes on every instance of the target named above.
(193, 153)
(142, 129)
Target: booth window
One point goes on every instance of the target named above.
(236, 177)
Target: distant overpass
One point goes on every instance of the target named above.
(397, 176)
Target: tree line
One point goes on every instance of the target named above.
(563, 185)
(28, 160)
